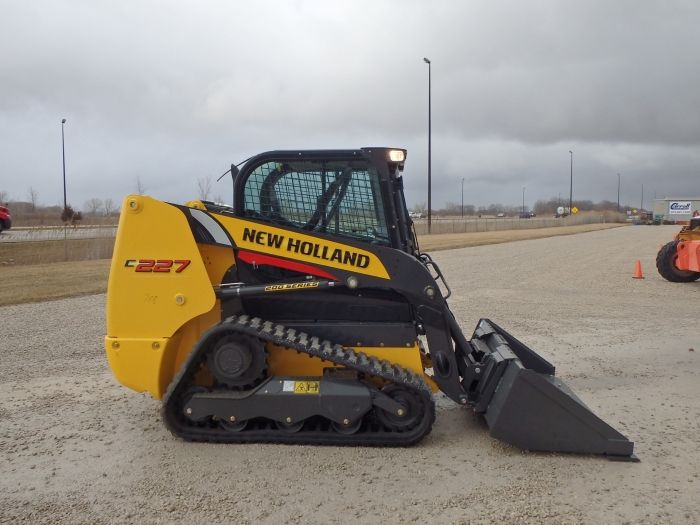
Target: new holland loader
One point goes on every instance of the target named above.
(306, 313)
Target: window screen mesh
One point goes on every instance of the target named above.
(340, 198)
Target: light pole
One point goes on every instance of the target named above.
(462, 197)
(571, 182)
(618, 193)
(641, 206)
(523, 213)
(429, 147)
(63, 148)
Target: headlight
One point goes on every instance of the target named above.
(397, 155)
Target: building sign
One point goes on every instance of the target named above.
(679, 207)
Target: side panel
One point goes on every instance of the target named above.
(149, 292)
(301, 247)
(160, 284)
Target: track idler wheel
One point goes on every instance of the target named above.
(350, 428)
(413, 406)
(292, 428)
(237, 361)
(233, 426)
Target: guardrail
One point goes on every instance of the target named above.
(491, 224)
(57, 233)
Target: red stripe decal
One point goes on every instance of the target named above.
(258, 258)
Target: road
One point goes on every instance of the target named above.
(75, 447)
(56, 233)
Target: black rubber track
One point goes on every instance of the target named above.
(666, 264)
(316, 430)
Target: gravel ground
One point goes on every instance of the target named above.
(75, 447)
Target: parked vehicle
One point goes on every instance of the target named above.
(679, 260)
(5, 219)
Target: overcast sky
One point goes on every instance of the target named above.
(173, 91)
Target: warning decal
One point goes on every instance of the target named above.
(301, 387)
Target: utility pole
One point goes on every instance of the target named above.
(65, 202)
(429, 147)
(462, 197)
(63, 148)
(618, 192)
(571, 183)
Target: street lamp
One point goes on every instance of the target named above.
(523, 201)
(618, 193)
(429, 146)
(63, 147)
(571, 182)
(462, 197)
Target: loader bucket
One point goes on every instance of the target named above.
(525, 405)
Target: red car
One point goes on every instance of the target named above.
(5, 219)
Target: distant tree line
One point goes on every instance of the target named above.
(551, 205)
(31, 212)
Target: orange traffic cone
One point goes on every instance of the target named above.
(638, 271)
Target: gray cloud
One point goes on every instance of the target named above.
(170, 91)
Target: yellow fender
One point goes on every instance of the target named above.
(158, 284)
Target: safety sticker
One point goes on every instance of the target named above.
(301, 387)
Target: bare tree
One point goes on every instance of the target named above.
(93, 206)
(3, 197)
(420, 207)
(140, 188)
(109, 207)
(67, 214)
(204, 186)
(33, 195)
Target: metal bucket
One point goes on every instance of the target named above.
(525, 405)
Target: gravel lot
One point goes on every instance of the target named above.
(75, 447)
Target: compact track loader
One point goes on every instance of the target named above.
(306, 313)
(678, 261)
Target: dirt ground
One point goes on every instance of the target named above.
(75, 447)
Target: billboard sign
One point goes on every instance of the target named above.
(679, 207)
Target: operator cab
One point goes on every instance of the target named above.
(350, 195)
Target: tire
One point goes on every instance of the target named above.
(666, 264)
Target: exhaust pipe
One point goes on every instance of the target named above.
(524, 404)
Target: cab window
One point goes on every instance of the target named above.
(340, 198)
